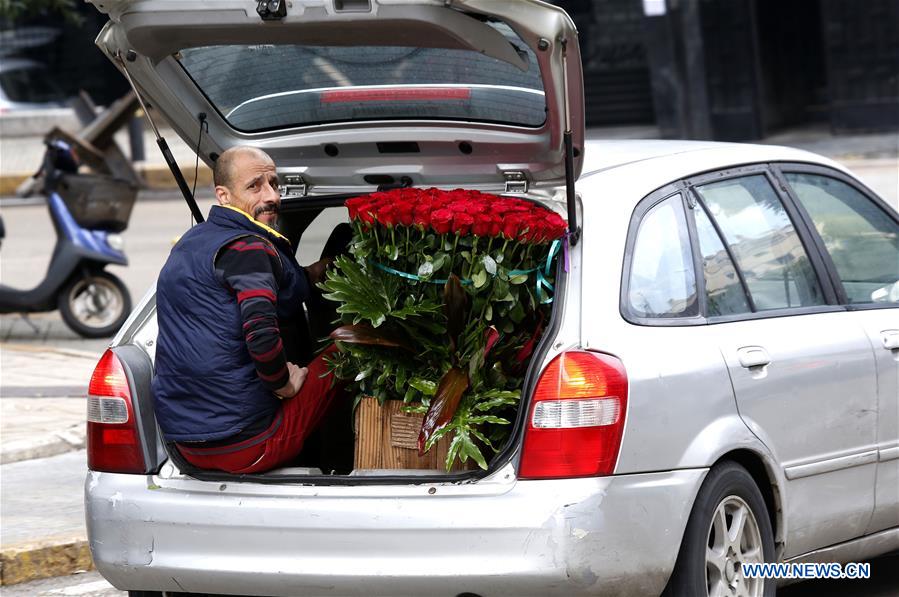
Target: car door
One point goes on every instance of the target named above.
(858, 236)
(801, 369)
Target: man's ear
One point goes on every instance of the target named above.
(223, 195)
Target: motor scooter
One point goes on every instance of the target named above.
(87, 211)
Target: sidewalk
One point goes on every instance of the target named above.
(42, 461)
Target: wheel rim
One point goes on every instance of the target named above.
(734, 539)
(96, 302)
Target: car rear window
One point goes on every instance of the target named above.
(266, 87)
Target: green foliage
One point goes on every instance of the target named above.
(439, 322)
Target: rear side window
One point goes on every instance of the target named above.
(725, 293)
(662, 283)
(863, 242)
(762, 240)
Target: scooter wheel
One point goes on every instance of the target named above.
(95, 306)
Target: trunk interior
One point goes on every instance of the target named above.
(329, 452)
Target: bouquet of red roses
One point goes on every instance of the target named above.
(442, 302)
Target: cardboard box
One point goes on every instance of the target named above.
(387, 438)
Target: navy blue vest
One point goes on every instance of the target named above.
(206, 387)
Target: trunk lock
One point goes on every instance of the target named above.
(516, 183)
(294, 185)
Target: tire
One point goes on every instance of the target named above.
(95, 306)
(144, 594)
(729, 494)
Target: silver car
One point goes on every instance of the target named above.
(737, 306)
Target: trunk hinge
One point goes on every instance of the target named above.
(294, 186)
(516, 182)
(574, 230)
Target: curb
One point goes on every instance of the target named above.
(157, 178)
(59, 442)
(48, 558)
(37, 348)
(71, 352)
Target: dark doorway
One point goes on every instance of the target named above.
(765, 66)
(792, 67)
(616, 71)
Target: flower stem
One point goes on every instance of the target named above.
(474, 252)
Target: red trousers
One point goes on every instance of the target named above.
(283, 440)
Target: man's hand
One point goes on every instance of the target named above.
(294, 383)
(316, 271)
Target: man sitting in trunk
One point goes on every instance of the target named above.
(224, 390)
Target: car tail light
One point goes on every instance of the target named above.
(576, 419)
(113, 442)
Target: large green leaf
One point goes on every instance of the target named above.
(443, 405)
(365, 334)
(454, 305)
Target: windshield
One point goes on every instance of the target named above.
(265, 87)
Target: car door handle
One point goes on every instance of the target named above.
(890, 339)
(753, 356)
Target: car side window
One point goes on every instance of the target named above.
(662, 283)
(763, 241)
(723, 289)
(863, 242)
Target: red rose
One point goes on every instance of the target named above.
(556, 226)
(386, 215)
(441, 220)
(512, 225)
(367, 217)
(495, 226)
(462, 223)
(404, 213)
(352, 206)
(534, 229)
(481, 226)
(421, 216)
(409, 194)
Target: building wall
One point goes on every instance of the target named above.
(708, 69)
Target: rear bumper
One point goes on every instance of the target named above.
(614, 536)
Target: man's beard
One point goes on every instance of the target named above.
(268, 209)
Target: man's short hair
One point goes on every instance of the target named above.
(223, 169)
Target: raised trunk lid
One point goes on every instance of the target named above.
(347, 94)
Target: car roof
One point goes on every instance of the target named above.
(636, 168)
(604, 155)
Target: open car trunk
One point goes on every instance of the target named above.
(349, 97)
(328, 454)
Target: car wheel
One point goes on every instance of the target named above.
(96, 305)
(728, 526)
